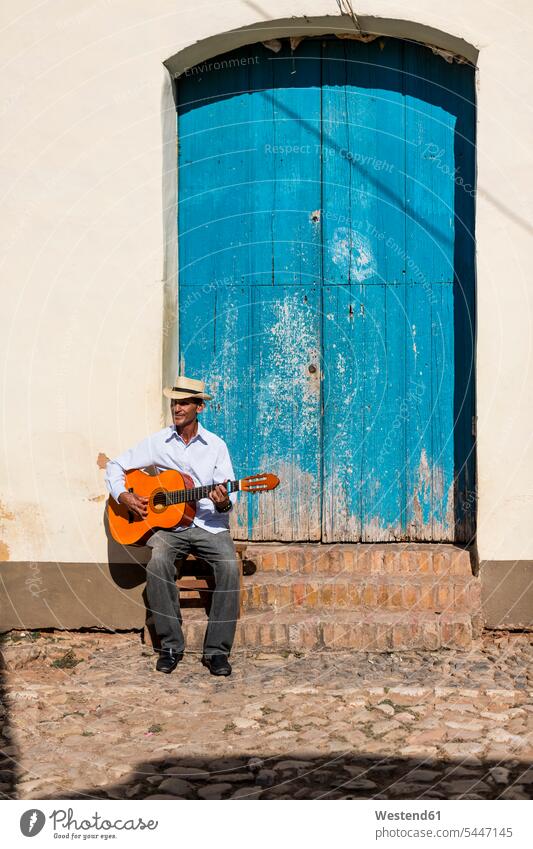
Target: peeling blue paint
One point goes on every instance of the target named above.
(326, 283)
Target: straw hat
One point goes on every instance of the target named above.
(186, 387)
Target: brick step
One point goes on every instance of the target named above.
(358, 558)
(369, 631)
(272, 591)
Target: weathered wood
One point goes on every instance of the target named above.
(285, 411)
(326, 213)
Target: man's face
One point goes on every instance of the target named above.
(184, 410)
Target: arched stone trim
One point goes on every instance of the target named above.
(326, 25)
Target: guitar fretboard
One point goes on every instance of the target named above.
(179, 496)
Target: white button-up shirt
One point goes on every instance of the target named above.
(205, 458)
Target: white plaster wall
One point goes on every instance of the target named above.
(88, 254)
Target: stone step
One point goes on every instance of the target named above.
(437, 593)
(360, 631)
(358, 558)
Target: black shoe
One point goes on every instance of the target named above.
(168, 660)
(217, 664)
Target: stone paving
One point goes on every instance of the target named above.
(87, 716)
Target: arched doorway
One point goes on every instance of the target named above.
(326, 282)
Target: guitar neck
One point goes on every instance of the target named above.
(179, 496)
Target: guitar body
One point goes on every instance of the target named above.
(127, 529)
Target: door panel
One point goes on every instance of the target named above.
(343, 423)
(285, 411)
(430, 129)
(249, 181)
(364, 163)
(249, 170)
(295, 165)
(262, 349)
(215, 334)
(429, 430)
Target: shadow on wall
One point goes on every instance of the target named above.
(127, 566)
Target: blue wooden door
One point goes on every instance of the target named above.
(326, 283)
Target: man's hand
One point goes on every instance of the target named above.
(219, 495)
(138, 504)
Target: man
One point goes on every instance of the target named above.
(190, 448)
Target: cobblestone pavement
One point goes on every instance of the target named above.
(88, 716)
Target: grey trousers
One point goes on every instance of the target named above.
(218, 550)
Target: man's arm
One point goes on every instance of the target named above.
(224, 470)
(138, 457)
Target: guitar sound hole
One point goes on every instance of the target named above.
(160, 500)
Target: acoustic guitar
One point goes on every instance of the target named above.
(171, 501)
